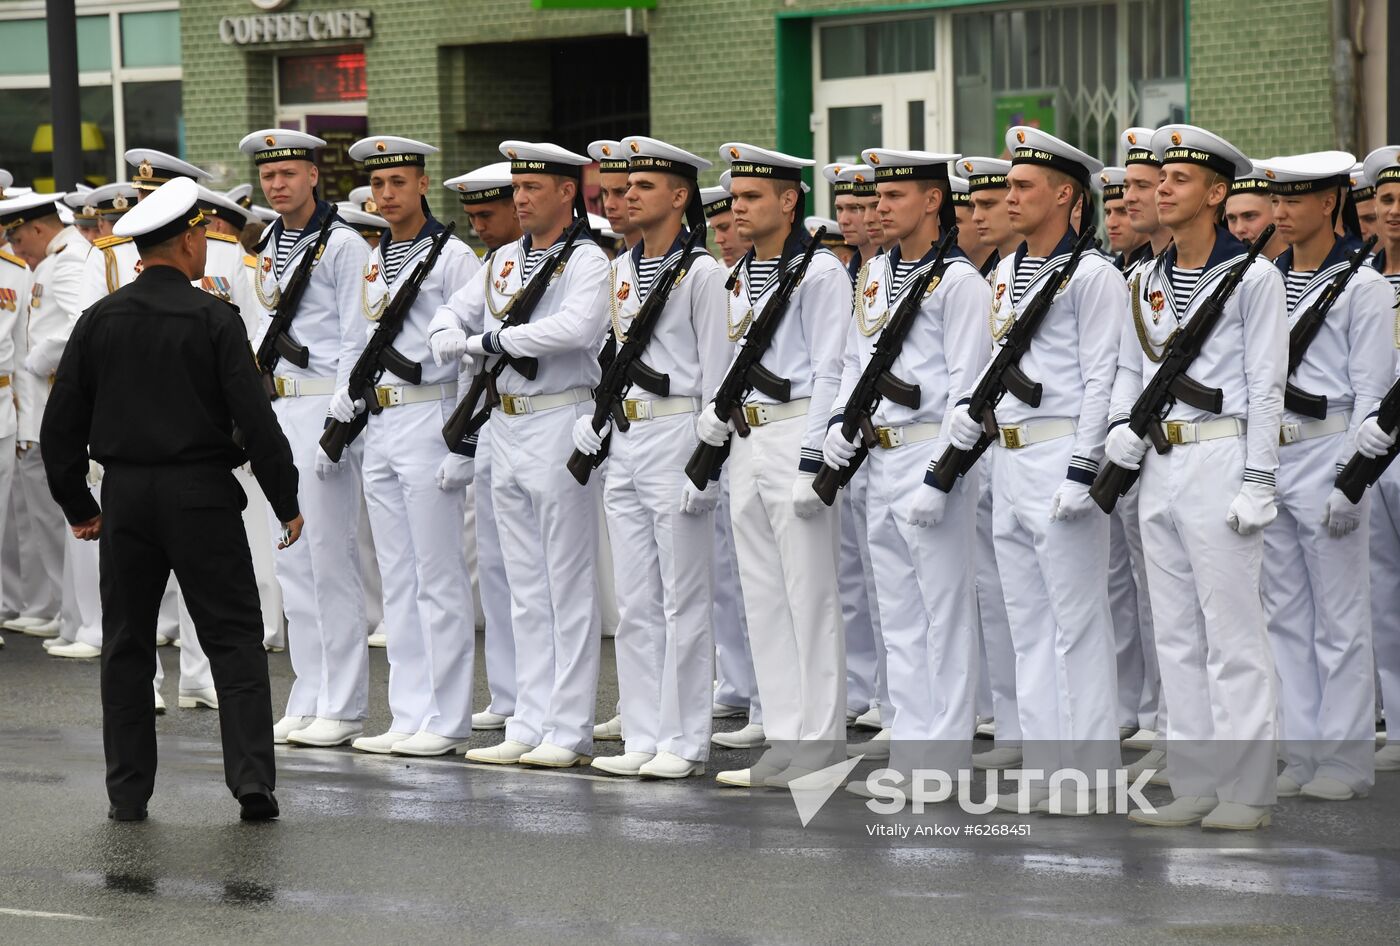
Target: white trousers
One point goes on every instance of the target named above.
(1212, 637)
(369, 570)
(734, 679)
(549, 535)
(494, 589)
(998, 656)
(262, 544)
(41, 531)
(664, 584)
(320, 575)
(1057, 606)
(1139, 681)
(82, 595)
(1385, 592)
(855, 582)
(195, 673)
(1317, 596)
(427, 591)
(925, 584)
(11, 596)
(787, 569)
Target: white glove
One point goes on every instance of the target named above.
(696, 501)
(805, 501)
(1371, 440)
(448, 345)
(476, 345)
(963, 429)
(325, 466)
(587, 441)
(94, 474)
(1124, 448)
(343, 408)
(710, 429)
(836, 449)
(1252, 509)
(1071, 501)
(455, 472)
(1341, 516)
(927, 506)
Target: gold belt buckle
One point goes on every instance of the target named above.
(282, 386)
(384, 395)
(1011, 438)
(887, 437)
(753, 415)
(634, 409)
(512, 404)
(1176, 432)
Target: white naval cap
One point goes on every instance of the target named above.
(1137, 147)
(154, 168)
(362, 197)
(110, 200)
(280, 144)
(653, 154)
(715, 201)
(599, 225)
(832, 172)
(1310, 173)
(483, 185)
(1108, 183)
(1032, 146)
(832, 237)
(541, 157)
(747, 160)
(76, 199)
(387, 151)
(959, 191)
(265, 214)
(6, 180)
(242, 195)
(1362, 189)
(893, 165)
(66, 215)
(218, 205)
(166, 212)
(982, 173)
(857, 180)
(725, 179)
(1382, 166)
(16, 211)
(1188, 144)
(362, 221)
(609, 154)
(1252, 183)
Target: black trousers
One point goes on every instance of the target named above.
(186, 519)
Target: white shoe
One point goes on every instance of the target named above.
(851, 717)
(1232, 816)
(189, 699)
(611, 731)
(49, 643)
(1011, 801)
(326, 733)
(42, 629)
(77, 650)
(377, 639)
(288, 725)
(877, 748)
(1007, 757)
(160, 704)
(381, 744)
(486, 720)
(273, 648)
(629, 763)
(1125, 732)
(670, 765)
(1069, 802)
(177, 643)
(1288, 787)
(725, 711)
(816, 778)
(1141, 739)
(163, 641)
(550, 756)
(1179, 813)
(505, 753)
(750, 737)
(425, 744)
(19, 624)
(1326, 788)
(986, 730)
(1388, 758)
(870, 719)
(1154, 761)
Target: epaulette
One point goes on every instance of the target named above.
(250, 261)
(224, 237)
(12, 258)
(103, 242)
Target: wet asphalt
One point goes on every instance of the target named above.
(383, 850)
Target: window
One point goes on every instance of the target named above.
(326, 77)
(151, 39)
(879, 48)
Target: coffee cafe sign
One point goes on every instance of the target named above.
(271, 26)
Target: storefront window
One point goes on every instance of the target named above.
(26, 45)
(876, 49)
(151, 39)
(153, 118)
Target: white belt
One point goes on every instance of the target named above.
(514, 404)
(1179, 432)
(636, 409)
(759, 414)
(890, 437)
(393, 395)
(303, 387)
(1309, 429)
(1039, 431)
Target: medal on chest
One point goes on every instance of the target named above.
(217, 286)
(1156, 302)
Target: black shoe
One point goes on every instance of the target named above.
(126, 814)
(259, 804)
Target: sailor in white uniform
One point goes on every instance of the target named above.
(322, 592)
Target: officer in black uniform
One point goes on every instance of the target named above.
(151, 384)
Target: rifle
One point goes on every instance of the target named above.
(1361, 471)
(626, 367)
(745, 374)
(1171, 383)
(380, 354)
(877, 382)
(277, 343)
(1305, 330)
(466, 419)
(1004, 373)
